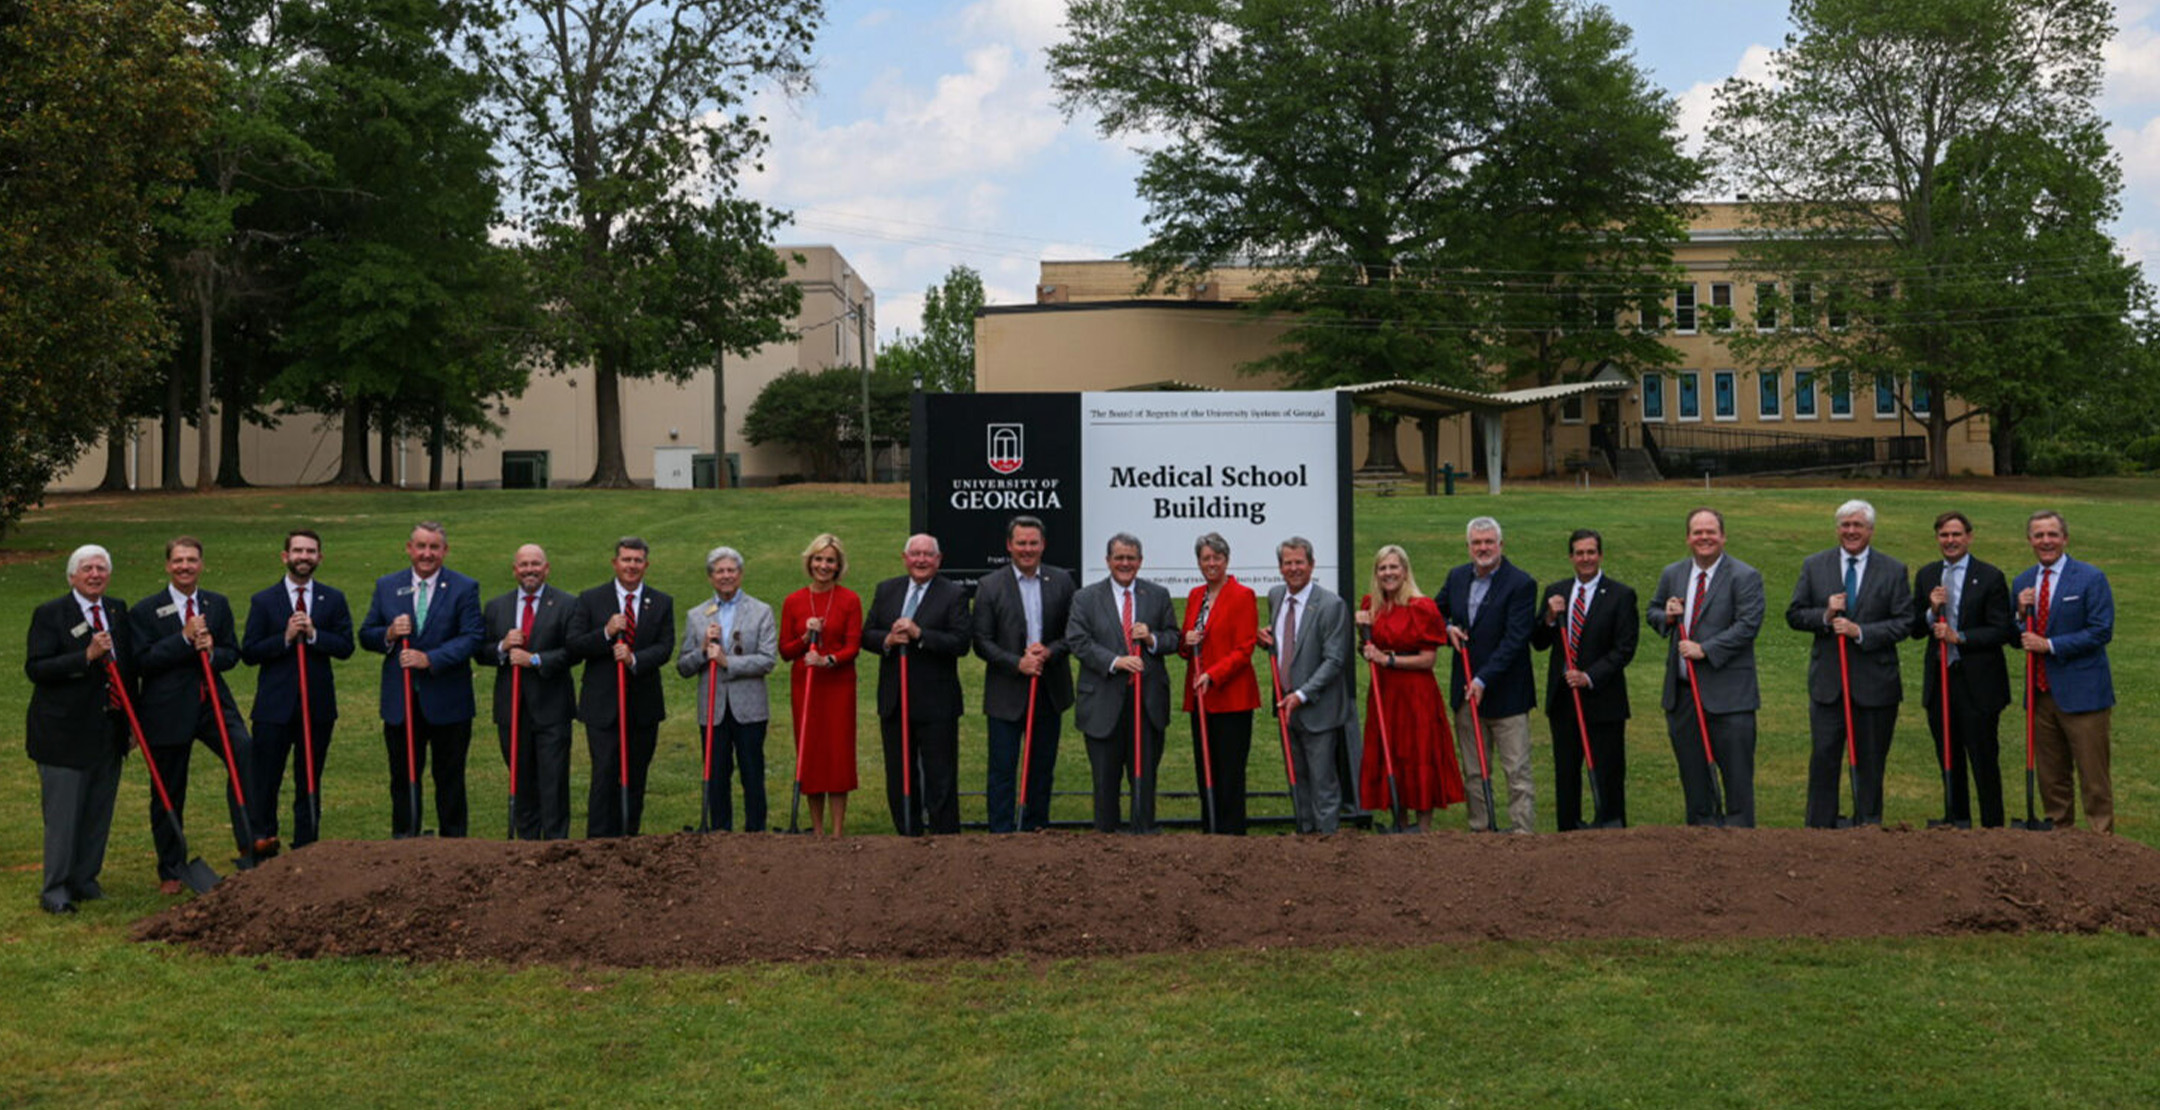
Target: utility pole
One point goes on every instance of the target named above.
(862, 359)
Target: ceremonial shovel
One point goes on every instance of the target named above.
(1387, 750)
(1852, 746)
(1477, 727)
(2031, 823)
(1582, 732)
(307, 740)
(1942, 697)
(802, 733)
(247, 860)
(195, 873)
(412, 749)
(1702, 729)
(1282, 725)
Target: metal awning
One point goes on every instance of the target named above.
(1420, 399)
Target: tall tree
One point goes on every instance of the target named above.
(1932, 183)
(942, 358)
(628, 125)
(1382, 160)
(99, 103)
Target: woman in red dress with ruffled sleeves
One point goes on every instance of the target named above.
(1406, 634)
(820, 634)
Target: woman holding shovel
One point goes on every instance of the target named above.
(820, 634)
(1222, 625)
(1404, 723)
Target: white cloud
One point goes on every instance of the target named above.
(1700, 100)
(2139, 148)
(2132, 60)
(1031, 24)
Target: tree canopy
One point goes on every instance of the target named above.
(942, 358)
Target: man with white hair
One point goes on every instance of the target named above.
(1856, 604)
(1491, 605)
(76, 730)
(733, 637)
(919, 621)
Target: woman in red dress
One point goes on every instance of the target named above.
(820, 634)
(1222, 623)
(1405, 637)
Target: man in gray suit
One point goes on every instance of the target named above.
(1712, 605)
(1857, 594)
(1020, 618)
(733, 635)
(1122, 631)
(1308, 631)
(526, 631)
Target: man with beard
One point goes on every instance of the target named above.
(294, 629)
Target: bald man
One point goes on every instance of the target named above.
(526, 633)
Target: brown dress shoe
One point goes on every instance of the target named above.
(171, 887)
(266, 847)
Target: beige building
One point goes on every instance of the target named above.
(668, 428)
(1089, 330)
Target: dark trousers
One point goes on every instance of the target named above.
(1974, 746)
(1870, 752)
(273, 744)
(1608, 751)
(605, 814)
(78, 809)
(1732, 741)
(1110, 761)
(1229, 745)
(172, 765)
(928, 801)
(543, 778)
(737, 745)
(448, 741)
(1006, 738)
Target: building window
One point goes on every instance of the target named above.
(1838, 311)
(1721, 306)
(1923, 395)
(1803, 305)
(1684, 310)
(1803, 394)
(1766, 306)
(1690, 395)
(1724, 395)
(1571, 409)
(1769, 405)
(1886, 406)
(1841, 395)
(1653, 397)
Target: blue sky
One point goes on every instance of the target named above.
(932, 138)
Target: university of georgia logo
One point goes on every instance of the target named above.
(1007, 447)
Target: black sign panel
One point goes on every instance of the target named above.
(980, 459)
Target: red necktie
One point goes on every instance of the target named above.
(97, 623)
(1575, 621)
(629, 616)
(2040, 625)
(525, 625)
(1702, 594)
(299, 599)
(1128, 617)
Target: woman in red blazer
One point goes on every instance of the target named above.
(1222, 623)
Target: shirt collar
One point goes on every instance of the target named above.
(291, 585)
(623, 593)
(1964, 561)
(85, 604)
(181, 599)
(1592, 584)
(1300, 596)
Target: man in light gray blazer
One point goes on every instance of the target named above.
(1862, 596)
(733, 636)
(1308, 631)
(1712, 606)
(528, 630)
(1122, 631)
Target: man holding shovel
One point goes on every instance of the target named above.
(1315, 691)
(426, 622)
(1961, 608)
(528, 642)
(77, 731)
(918, 628)
(1589, 624)
(625, 632)
(2069, 613)
(1854, 601)
(1019, 624)
(1122, 632)
(1711, 605)
(1490, 605)
(294, 629)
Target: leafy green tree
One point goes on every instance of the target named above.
(1421, 179)
(627, 127)
(942, 358)
(819, 417)
(1932, 184)
(99, 103)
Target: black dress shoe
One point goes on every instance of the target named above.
(90, 893)
(56, 907)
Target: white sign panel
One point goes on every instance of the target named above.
(1169, 467)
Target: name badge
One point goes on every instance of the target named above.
(168, 610)
(405, 592)
(712, 609)
(79, 629)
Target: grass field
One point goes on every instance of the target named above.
(2002, 1020)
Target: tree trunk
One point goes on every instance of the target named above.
(116, 449)
(608, 469)
(352, 445)
(1938, 438)
(719, 387)
(228, 471)
(205, 473)
(389, 449)
(1380, 454)
(175, 424)
(435, 450)
(2002, 437)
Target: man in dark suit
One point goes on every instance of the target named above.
(528, 633)
(173, 630)
(1020, 618)
(1855, 593)
(1961, 607)
(1122, 630)
(924, 619)
(622, 627)
(1712, 605)
(1589, 625)
(76, 732)
(296, 615)
(1490, 605)
(1309, 633)
(2070, 617)
(426, 622)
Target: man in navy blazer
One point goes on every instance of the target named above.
(923, 617)
(1854, 593)
(426, 622)
(172, 630)
(1490, 605)
(1961, 606)
(2070, 617)
(621, 627)
(527, 642)
(295, 615)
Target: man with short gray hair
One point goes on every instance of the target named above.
(1490, 605)
(920, 618)
(729, 644)
(1856, 604)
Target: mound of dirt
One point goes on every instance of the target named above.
(686, 900)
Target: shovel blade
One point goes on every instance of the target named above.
(2037, 824)
(198, 876)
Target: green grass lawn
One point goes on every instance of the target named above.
(2011, 1021)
